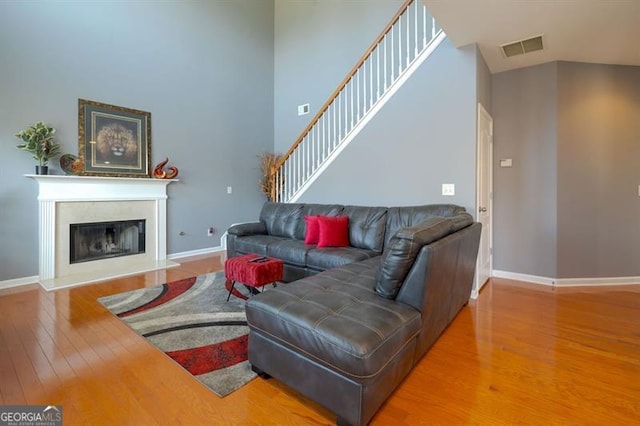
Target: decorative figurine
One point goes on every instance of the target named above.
(160, 173)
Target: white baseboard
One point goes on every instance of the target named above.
(535, 279)
(567, 282)
(199, 252)
(17, 282)
(585, 282)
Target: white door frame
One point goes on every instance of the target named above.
(484, 115)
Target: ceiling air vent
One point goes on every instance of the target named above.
(522, 46)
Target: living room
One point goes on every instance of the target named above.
(223, 81)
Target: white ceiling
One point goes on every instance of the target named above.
(599, 31)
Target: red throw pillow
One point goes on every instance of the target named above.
(312, 234)
(334, 231)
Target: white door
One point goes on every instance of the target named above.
(484, 198)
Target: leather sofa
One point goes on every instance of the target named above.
(357, 319)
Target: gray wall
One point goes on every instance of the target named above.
(569, 206)
(524, 196)
(316, 44)
(424, 136)
(598, 170)
(203, 69)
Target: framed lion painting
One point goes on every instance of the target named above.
(114, 141)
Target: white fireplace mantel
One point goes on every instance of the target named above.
(96, 188)
(54, 189)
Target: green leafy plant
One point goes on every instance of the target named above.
(38, 140)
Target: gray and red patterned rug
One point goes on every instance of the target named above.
(191, 321)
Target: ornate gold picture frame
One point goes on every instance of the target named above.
(114, 141)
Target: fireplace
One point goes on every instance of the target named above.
(96, 228)
(103, 240)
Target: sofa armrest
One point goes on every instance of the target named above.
(457, 249)
(440, 281)
(401, 252)
(248, 228)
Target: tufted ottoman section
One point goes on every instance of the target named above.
(337, 319)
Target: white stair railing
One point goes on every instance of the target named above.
(405, 43)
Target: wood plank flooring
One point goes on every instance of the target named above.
(520, 354)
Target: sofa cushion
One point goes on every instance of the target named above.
(312, 233)
(281, 219)
(321, 259)
(257, 244)
(292, 252)
(333, 231)
(402, 250)
(336, 319)
(403, 217)
(316, 210)
(366, 226)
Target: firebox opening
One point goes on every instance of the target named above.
(102, 240)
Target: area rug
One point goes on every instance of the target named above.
(191, 321)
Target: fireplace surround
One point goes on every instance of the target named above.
(79, 200)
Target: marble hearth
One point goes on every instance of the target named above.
(68, 200)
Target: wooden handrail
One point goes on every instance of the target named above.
(342, 85)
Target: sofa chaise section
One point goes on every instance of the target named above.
(347, 336)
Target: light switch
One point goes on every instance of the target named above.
(448, 189)
(229, 190)
(506, 162)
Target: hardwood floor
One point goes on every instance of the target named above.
(521, 353)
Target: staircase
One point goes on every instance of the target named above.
(409, 38)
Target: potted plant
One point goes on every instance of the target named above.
(38, 140)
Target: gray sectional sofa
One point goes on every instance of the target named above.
(357, 319)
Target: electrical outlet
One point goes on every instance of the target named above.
(448, 189)
(210, 231)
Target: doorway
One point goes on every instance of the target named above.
(484, 198)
